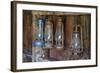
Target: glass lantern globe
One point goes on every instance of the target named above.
(59, 34)
(48, 34)
(76, 44)
(38, 41)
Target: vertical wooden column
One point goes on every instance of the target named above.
(27, 29)
(33, 35)
(69, 30)
(85, 23)
(27, 33)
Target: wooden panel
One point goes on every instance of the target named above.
(69, 30)
(26, 29)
